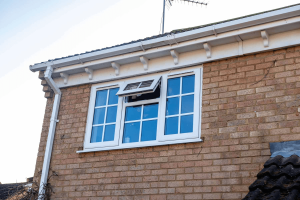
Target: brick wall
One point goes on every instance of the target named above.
(248, 102)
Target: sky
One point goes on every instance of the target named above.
(33, 31)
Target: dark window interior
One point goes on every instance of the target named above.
(135, 98)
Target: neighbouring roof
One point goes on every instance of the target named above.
(280, 177)
(7, 190)
(278, 180)
(165, 34)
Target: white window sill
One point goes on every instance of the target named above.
(139, 145)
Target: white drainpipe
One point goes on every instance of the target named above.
(51, 132)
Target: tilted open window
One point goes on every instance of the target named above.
(151, 111)
(130, 88)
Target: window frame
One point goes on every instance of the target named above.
(161, 139)
(90, 118)
(197, 106)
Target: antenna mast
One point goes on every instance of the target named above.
(164, 7)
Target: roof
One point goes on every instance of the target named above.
(278, 180)
(7, 190)
(169, 33)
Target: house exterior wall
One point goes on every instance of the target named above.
(248, 102)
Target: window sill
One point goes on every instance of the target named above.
(140, 145)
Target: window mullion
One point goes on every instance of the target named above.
(141, 122)
(103, 130)
(179, 114)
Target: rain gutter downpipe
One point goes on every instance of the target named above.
(51, 133)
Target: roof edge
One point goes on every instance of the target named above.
(162, 40)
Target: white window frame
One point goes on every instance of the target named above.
(197, 110)
(161, 139)
(90, 118)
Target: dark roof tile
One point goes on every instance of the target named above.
(279, 180)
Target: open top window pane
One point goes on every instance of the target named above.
(132, 86)
(141, 87)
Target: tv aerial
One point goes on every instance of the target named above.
(170, 4)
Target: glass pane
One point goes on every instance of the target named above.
(131, 132)
(186, 124)
(173, 86)
(133, 113)
(171, 126)
(113, 98)
(150, 111)
(99, 116)
(172, 106)
(188, 84)
(187, 104)
(109, 133)
(96, 134)
(101, 98)
(149, 130)
(111, 114)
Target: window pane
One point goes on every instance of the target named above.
(188, 84)
(99, 116)
(96, 134)
(133, 113)
(172, 106)
(109, 133)
(131, 132)
(113, 98)
(149, 130)
(187, 104)
(111, 114)
(171, 126)
(186, 124)
(101, 98)
(173, 86)
(150, 111)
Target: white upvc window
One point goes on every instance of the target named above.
(165, 110)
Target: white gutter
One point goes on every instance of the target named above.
(51, 132)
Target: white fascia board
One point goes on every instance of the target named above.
(191, 58)
(222, 36)
(161, 41)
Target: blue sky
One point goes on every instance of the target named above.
(33, 31)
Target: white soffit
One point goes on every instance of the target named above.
(269, 16)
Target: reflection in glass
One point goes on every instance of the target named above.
(99, 116)
(188, 84)
(111, 114)
(186, 124)
(172, 106)
(113, 98)
(101, 98)
(173, 86)
(150, 111)
(149, 130)
(171, 126)
(133, 113)
(109, 133)
(96, 134)
(131, 132)
(187, 104)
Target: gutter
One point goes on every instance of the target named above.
(51, 133)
